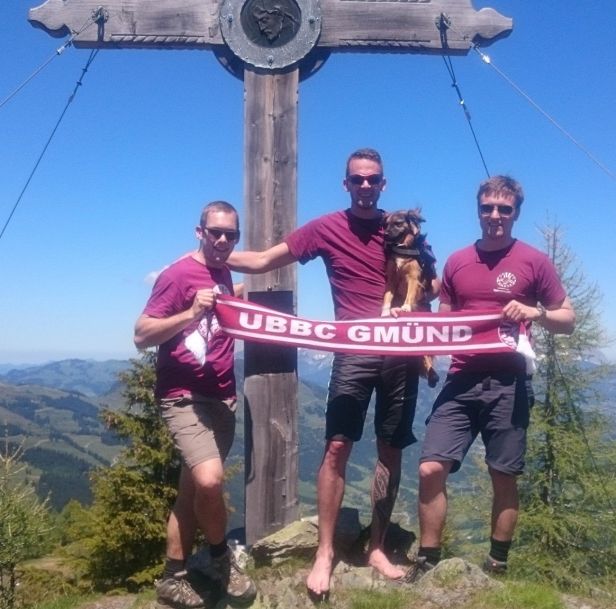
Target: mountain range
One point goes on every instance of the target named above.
(53, 409)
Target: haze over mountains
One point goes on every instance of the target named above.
(54, 410)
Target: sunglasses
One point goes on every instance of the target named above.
(486, 209)
(217, 233)
(373, 180)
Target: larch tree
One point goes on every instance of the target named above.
(24, 523)
(567, 528)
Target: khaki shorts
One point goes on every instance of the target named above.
(202, 428)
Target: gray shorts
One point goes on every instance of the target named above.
(496, 405)
(202, 428)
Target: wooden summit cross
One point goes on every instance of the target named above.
(272, 45)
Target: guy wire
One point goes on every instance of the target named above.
(58, 52)
(446, 23)
(93, 54)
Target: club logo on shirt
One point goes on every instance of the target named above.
(505, 281)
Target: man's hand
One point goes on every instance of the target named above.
(516, 311)
(558, 319)
(204, 301)
(153, 331)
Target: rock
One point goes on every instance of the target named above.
(453, 582)
(349, 577)
(300, 539)
(297, 540)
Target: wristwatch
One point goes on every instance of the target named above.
(542, 312)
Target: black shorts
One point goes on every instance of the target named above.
(354, 378)
(497, 406)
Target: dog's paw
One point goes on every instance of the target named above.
(386, 312)
(406, 308)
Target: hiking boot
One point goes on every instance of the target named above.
(493, 566)
(238, 586)
(177, 592)
(417, 570)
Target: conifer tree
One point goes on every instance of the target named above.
(567, 528)
(132, 498)
(24, 524)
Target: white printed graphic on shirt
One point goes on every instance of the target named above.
(197, 342)
(505, 281)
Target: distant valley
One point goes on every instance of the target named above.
(54, 410)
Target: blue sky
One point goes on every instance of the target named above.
(152, 135)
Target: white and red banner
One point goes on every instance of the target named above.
(412, 334)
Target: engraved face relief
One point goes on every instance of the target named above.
(270, 34)
(270, 23)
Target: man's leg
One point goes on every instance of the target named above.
(211, 513)
(330, 491)
(182, 523)
(384, 492)
(174, 588)
(504, 437)
(199, 501)
(432, 502)
(208, 501)
(505, 507)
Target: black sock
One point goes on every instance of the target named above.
(173, 566)
(218, 549)
(499, 550)
(432, 555)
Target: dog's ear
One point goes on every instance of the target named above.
(385, 218)
(414, 215)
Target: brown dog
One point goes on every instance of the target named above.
(410, 271)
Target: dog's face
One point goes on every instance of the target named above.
(401, 227)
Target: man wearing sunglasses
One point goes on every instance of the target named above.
(350, 242)
(195, 388)
(488, 394)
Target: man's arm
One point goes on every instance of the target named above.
(558, 319)
(435, 288)
(261, 262)
(153, 331)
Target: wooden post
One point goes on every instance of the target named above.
(270, 386)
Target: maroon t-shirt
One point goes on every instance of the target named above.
(353, 252)
(200, 358)
(474, 279)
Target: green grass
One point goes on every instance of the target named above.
(373, 599)
(73, 601)
(519, 595)
(66, 602)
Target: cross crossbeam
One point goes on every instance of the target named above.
(346, 25)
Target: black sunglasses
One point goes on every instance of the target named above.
(373, 180)
(217, 233)
(486, 209)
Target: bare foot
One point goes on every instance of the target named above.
(317, 581)
(377, 560)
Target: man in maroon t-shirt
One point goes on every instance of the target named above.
(350, 242)
(488, 394)
(195, 387)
